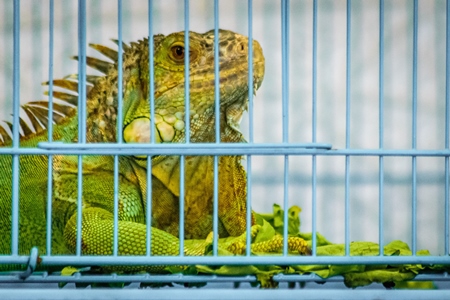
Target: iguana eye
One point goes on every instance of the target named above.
(177, 52)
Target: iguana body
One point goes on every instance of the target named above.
(97, 214)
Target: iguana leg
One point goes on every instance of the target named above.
(98, 207)
(97, 235)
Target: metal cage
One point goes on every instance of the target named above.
(352, 124)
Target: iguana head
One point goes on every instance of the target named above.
(169, 91)
(169, 88)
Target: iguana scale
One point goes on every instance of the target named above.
(169, 121)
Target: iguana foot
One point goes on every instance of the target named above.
(296, 245)
(239, 245)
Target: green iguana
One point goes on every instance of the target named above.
(97, 213)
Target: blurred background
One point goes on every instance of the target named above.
(267, 172)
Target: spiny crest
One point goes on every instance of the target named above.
(37, 111)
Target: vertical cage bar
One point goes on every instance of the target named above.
(50, 128)
(447, 128)
(414, 131)
(381, 131)
(249, 204)
(250, 70)
(187, 121)
(82, 71)
(285, 67)
(314, 130)
(148, 207)
(119, 128)
(250, 115)
(286, 205)
(216, 72)
(151, 68)
(285, 110)
(217, 129)
(186, 72)
(347, 130)
(81, 112)
(181, 211)
(15, 129)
